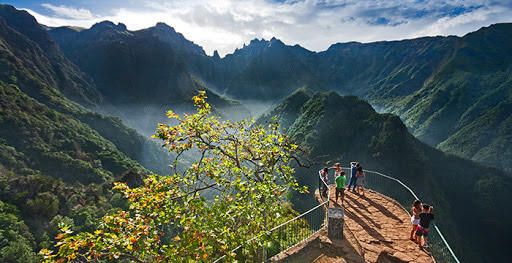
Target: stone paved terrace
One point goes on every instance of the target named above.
(376, 230)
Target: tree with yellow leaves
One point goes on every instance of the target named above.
(231, 191)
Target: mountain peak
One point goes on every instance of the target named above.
(165, 27)
(274, 41)
(498, 28)
(168, 34)
(66, 28)
(300, 92)
(255, 41)
(344, 45)
(216, 55)
(9, 11)
(20, 20)
(26, 24)
(108, 25)
(263, 43)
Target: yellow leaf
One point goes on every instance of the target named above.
(172, 115)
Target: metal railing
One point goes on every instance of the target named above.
(404, 195)
(263, 247)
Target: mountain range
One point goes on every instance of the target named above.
(453, 93)
(140, 73)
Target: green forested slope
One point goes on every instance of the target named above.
(57, 144)
(29, 55)
(343, 129)
(464, 108)
(442, 87)
(493, 147)
(43, 74)
(54, 167)
(57, 158)
(16, 241)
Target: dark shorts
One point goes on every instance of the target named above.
(420, 231)
(340, 190)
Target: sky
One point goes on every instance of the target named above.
(225, 25)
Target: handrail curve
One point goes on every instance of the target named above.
(325, 184)
(416, 197)
(283, 224)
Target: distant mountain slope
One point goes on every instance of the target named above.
(288, 110)
(266, 70)
(442, 87)
(385, 69)
(128, 67)
(56, 144)
(471, 89)
(439, 86)
(153, 66)
(141, 73)
(336, 128)
(37, 120)
(487, 139)
(40, 70)
(29, 53)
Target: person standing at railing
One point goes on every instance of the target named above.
(415, 218)
(338, 170)
(353, 176)
(341, 181)
(426, 218)
(360, 180)
(323, 180)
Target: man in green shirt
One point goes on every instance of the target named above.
(340, 186)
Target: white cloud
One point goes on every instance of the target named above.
(464, 23)
(69, 12)
(315, 24)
